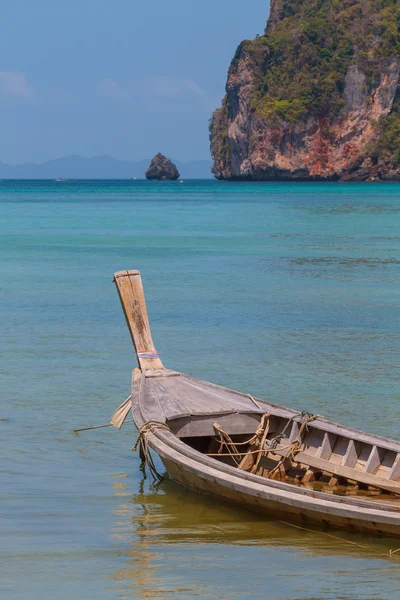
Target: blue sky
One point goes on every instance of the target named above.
(122, 77)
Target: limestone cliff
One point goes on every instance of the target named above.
(317, 97)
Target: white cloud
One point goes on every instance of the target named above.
(108, 87)
(15, 84)
(172, 87)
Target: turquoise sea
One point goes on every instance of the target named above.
(286, 291)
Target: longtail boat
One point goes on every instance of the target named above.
(280, 462)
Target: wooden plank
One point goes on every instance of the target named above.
(346, 472)
(294, 432)
(374, 461)
(387, 462)
(339, 450)
(333, 482)
(196, 401)
(248, 406)
(311, 475)
(395, 472)
(351, 456)
(161, 373)
(326, 448)
(131, 294)
(234, 400)
(330, 427)
(312, 440)
(202, 426)
(149, 403)
(363, 455)
(171, 406)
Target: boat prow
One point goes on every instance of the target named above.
(277, 461)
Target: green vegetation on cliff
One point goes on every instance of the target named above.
(387, 144)
(218, 129)
(317, 96)
(301, 61)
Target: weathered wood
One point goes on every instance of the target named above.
(217, 396)
(149, 402)
(177, 445)
(319, 423)
(341, 471)
(326, 448)
(202, 426)
(394, 474)
(131, 294)
(170, 405)
(248, 461)
(351, 456)
(241, 401)
(197, 402)
(279, 474)
(160, 373)
(294, 432)
(333, 482)
(374, 460)
(274, 497)
(190, 407)
(310, 475)
(251, 461)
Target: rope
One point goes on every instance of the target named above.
(147, 459)
(260, 438)
(336, 537)
(295, 446)
(262, 434)
(226, 441)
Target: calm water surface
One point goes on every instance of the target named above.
(289, 292)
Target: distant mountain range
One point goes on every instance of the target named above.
(98, 167)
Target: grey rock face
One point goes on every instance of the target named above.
(161, 168)
(355, 90)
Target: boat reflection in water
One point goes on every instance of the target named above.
(173, 543)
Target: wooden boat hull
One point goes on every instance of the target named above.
(272, 503)
(188, 422)
(269, 498)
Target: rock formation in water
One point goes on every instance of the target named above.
(317, 97)
(162, 168)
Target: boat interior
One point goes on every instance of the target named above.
(298, 450)
(271, 441)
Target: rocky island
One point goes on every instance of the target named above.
(316, 97)
(161, 168)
